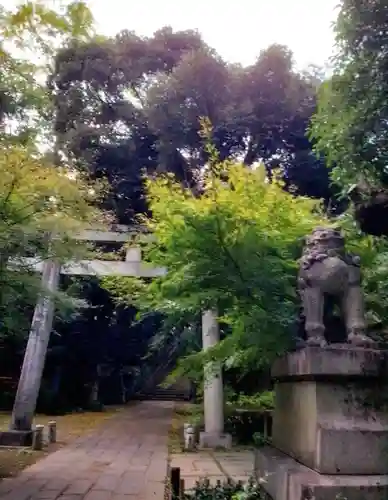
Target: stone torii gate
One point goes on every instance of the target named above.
(41, 326)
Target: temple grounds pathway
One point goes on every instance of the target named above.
(126, 459)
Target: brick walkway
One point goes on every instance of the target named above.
(124, 460)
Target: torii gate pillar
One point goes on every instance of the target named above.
(213, 392)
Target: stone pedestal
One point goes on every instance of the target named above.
(328, 426)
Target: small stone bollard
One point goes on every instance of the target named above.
(52, 432)
(37, 438)
(189, 436)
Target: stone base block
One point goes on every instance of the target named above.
(286, 479)
(210, 440)
(324, 421)
(334, 361)
(16, 438)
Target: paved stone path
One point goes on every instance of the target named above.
(238, 465)
(126, 459)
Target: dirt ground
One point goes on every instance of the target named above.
(69, 427)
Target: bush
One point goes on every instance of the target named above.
(229, 490)
(246, 415)
(263, 401)
(244, 424)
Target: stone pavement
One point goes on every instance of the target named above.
(217, 465)
(126, 459)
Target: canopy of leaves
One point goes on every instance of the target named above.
(30, 36)
(374, 260)
(36, 201)
(132, 104)
(234, 247)
(350, 126)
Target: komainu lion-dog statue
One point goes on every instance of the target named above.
(326, 269)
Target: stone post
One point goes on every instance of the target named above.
(213, 393)
(37, 438)
(133, 254)
(52, 431)
(35, 355)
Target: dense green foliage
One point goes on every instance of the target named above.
(130, 105)
(30, 36)
(229, 490)
(350, 129)
(374, 258)
(260, 401)
(38, 197)
(229, 234)
(36, 201)
(234, 248)
(350, 125)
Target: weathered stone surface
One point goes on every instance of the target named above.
(15, 438)
(328, 275)
(286, 479)
(236, 464)
(213, 393)
(101, 268)
(98, 495)
(56, 485)
(330, 361)
(330, 428)
(79, 487)
(133, 483)
(46, 495)
(326, 402)
(107, 482)
(215, 440)
(71, 497)
(26, 491)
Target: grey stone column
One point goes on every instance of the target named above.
(35, 355)
(213, 393)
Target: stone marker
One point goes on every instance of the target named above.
(52, 431)
(189, 436)
(37, 438)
